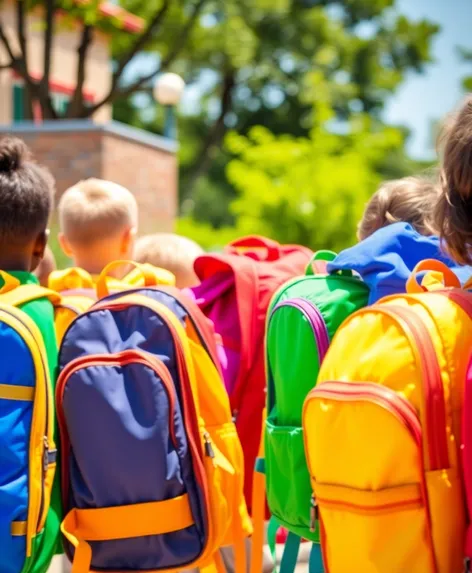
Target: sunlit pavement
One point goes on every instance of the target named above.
(58, 563)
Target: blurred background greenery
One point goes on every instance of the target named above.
(282, 129)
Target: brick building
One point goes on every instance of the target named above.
(144, 163)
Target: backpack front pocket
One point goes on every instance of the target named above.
(365, 455)
(288, 480)
(130, 481)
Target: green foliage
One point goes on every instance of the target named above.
(284, 57)
(308, 190)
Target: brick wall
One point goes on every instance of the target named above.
(143, 163)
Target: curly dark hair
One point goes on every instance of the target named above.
(26, 193)
(453, 212)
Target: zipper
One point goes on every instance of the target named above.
(17, 316)
(314, 317)
(386, 506)
(193, 430)
(121, 359)
(318, 327)
(377, 394)
(313, 513)
(432, 383)
(461, 298)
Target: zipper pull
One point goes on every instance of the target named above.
(208, 447)
(313, 514)
(45, 454)
(234, 416)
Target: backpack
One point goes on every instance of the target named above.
(382, 433)
(235, 293)
(152, 465)
(27, 449)
(77, 289)
(303, 316)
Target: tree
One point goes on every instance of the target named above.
(261, 63)
(308, 190)
(159, 16)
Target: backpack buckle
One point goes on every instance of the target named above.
(467, 562)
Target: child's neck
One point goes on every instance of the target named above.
(15, 263)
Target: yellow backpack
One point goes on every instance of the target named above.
(78, 290)
(382, 431)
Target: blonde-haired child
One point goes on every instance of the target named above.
(396, 232)
(171, 252)
(98, 223)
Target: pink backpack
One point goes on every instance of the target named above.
(236, 289)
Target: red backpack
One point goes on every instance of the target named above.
(236, 289)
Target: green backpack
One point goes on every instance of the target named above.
(303, 317)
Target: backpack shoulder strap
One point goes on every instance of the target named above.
(15, 294)
(27, 293)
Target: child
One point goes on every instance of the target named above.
(172, 252)
(45, 267)
(26, 200)
(396, 232)
(98, 221)
(454, 207)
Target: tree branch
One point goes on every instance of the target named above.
(48, 37)
(7, 45)
(181, 38)
(76, 104)
(141, 41)
(214, 135)
(45, 96)
(22, 68)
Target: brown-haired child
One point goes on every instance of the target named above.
(454, 207)
(408, 200)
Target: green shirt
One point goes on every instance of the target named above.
(42, 312)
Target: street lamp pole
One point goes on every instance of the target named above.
(168, 92)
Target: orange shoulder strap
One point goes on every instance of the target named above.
(258, 510)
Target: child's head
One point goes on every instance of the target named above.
(98, 221)
(408, 200)
(45, 267)
(454, 207)
(26, 200)
(171, 252)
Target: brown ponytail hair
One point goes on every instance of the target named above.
(454, 208)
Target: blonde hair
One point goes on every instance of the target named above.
(454, 207)
(171, 252)
(409, 200)
(95, 209)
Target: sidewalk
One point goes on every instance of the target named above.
(57, 564)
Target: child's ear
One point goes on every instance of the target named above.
(39, 248)
(127, 242)
(65, 245)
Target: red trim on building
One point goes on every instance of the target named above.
(131, 23)
(58, 87)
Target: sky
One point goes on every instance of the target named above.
(422, 99)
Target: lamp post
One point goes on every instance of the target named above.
(168, 91)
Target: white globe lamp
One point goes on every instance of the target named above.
(168, 91)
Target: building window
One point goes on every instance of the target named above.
(18, 102)
(60, 101)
